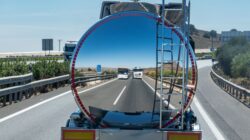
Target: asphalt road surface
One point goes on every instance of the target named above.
(41, 117)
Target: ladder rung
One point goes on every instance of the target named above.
(172, 44)
(169, 111)
(172, 110)
(174, 93)
(170, 77)
(162, 88)
(169, 62)
(166, 38)
(164, 50)
(173, 27)
(166, 62)
(173, 9)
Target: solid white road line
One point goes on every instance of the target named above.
(207, 119)
(46, 101)
(31, 107)
(204, 114)
(119, 96)
(158, 94)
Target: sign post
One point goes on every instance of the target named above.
(99, 70)
(47, 45)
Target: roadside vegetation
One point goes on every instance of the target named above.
(208, 55)
(10, 68)
(47, 69)
(40, 67)
(168, 73)
(33, 58)
(234, 60)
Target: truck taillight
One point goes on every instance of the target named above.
(77, 134)
(180, 135)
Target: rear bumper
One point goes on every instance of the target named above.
(118, 134)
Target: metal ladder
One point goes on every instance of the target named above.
(164, 49)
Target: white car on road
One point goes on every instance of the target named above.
(137, 73)
(123, 73)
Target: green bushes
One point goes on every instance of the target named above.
(41, 68)
(110, 72)
(47, 69)
(10, 68)
(168, 73)
(151, 73)
(234, 58)
(241, 65)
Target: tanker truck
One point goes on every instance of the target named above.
(128, 34)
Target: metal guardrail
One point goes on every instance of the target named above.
(238, 92)
(85, 79)
(16, 80)
(16, 93)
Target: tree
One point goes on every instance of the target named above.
(192, 29)
(213, 34)
(226, 55)
(206, 35)
(233, 30)
(89, 69)
(241, 65)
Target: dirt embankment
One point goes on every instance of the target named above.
(203, 41)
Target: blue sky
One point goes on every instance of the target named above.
(23, 23)
(124, 42)
(112, 46)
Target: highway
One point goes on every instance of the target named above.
(229, 115)
(129, 95)
(41, 117)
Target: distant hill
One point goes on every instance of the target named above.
(202, 39)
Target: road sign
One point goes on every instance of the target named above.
(99, 69)
(47, 44)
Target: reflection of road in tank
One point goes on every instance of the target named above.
(175, 99)
(128, 95)
(137, 97)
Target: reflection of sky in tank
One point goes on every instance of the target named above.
(125, 42)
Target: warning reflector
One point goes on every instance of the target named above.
(184, 135)
(77, 134)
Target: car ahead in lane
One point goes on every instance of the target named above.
(123, 73)
(137, 73)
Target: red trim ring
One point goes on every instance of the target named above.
(105, 20)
